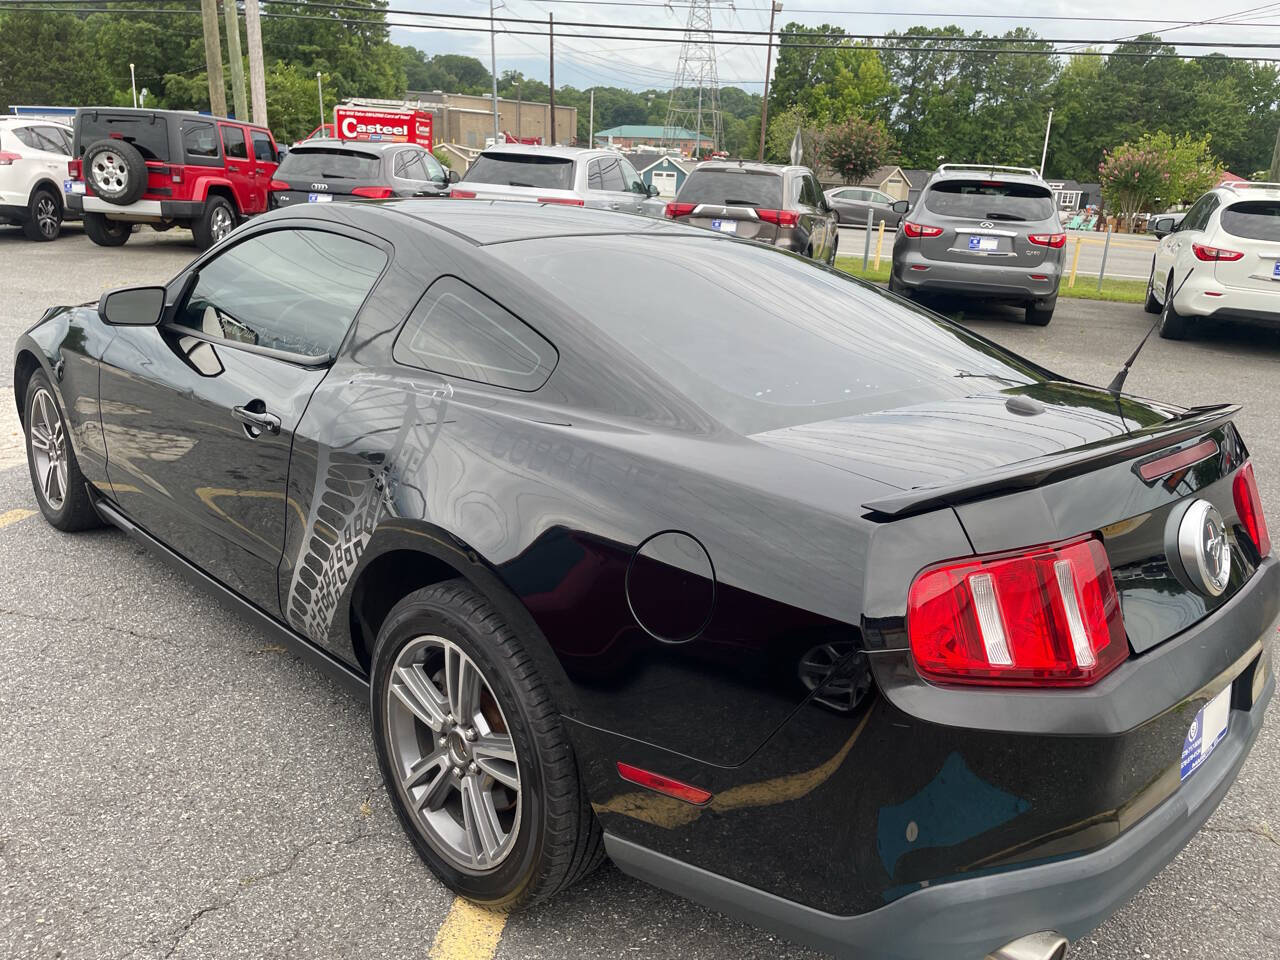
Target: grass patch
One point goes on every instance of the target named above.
(1086, 288)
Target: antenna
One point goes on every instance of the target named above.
(695, 93)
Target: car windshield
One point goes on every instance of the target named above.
(148, 132)
(736, 188)
(329, 164)
(759, 338)
(522, 170)
(1253, 220)
(989, 200)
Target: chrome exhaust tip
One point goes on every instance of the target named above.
(1045, 945)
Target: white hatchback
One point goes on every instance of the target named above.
(33, 166)
(1221, 262)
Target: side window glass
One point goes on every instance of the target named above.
(631, 178)
(262, 147)
(198, 140)
(401, 165)
(51, 140)
(594, 181)
(233, 143)
(434, 168)
(611, 175)
(456, 331)
(291, 290)
(28, 138)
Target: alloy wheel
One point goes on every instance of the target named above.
(111, 175)
(455, 760)
(49, 449)
(220, 223)
(47, 216)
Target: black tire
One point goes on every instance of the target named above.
(897, 288)
(558, 841)
(835, 251)
(1151, 304)
(44, 215)
(74, 510)
(1172, 325)
(107, 233)
(212, 224)
(115, 170)
(1038, 315)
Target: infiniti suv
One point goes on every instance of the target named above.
(985, 231)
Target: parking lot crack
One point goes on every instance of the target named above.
(1262, 830)
(62, 619)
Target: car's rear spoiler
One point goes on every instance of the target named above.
(1054, 467)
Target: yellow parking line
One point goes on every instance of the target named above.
(10, 517)
(468, 933)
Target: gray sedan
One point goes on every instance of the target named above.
(852, 203)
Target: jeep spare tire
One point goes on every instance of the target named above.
(115, 171)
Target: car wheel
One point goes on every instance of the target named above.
(218, 220)
(115, 170)
(835, 251)
(1151, 304)
(44, 215)
(475, 756)
(60, 487)
(896, 287)
(1038, 315)
(106, 233)
(1172, 325)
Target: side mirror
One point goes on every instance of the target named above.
(281, 153)
(132, 306)
(650, 190)
(453, 176)
(901, 206)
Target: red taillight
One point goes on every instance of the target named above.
(678, 210)
(373, 193)
(7, 158)
(75, 168)
(655, 781)
(1047, 616)
(462, 194)
(278, 185)
(920, 230)
(783, 218)
(1055, 240)
(1210, 254)
(563, 201)
(1249, 506)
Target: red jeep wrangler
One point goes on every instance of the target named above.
(166, 168)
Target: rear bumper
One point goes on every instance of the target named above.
(138, 210)
(994, 280)
(969, 918)
(1204, 296)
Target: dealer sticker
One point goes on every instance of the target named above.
(319, 198)
(1206, 732)
(73, 186)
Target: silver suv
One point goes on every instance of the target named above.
(571, 176)
(984, 231)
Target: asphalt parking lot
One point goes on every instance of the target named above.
(172, 783)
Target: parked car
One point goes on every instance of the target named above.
(782, 206)
(1221, 262)
(166, 168)
(852, 204)
(33, 164)
(569, 176)
(323, 170)
(985, 231)
(680, 575)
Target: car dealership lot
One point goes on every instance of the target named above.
(175, 783)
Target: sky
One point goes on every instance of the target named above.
(641, 65)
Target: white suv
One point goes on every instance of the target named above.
(1221, 262)
(33, 164)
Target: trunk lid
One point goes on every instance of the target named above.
(323, 174)
(741, 222)
(986, 221)
(1047, 462)
(1250, 227)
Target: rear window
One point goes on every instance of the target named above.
(148, 132)
(330, 165)
(740, 188)
(989, 200)
(522, 170)
(1253, 220)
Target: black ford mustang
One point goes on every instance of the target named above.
(788, 595)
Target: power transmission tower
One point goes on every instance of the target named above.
(695, 95)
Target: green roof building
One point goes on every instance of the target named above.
(651, 134)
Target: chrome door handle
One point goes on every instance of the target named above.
(614, 206)
(267, 422)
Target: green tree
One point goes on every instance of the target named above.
(831, 83)
(1193, 168)
(1132, 177)
(857, 147)
(45, 59)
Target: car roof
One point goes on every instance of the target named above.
(751, 165)
(181, 114)
(369, 146)
(21, 120)
(994, 171)
(573, 153)
(1231, 192)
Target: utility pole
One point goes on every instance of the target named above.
(257, 72)
(1274, 175)
(551, 36)
(493, 72)
(213, 57)
(591, 123)
(519, 119)
(1045, 152)
(133, 82)
(232, 14)
(320, 94)
(774, 10)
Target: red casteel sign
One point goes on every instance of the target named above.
(383, 126)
